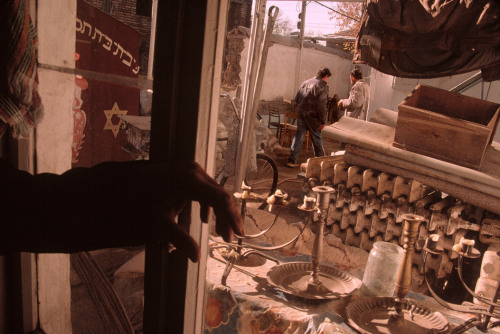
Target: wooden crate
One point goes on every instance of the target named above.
(446, 126)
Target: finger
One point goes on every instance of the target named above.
(225, 232)
(187, 181)
(204, 213)
(204, 189)
(181, 239)
(228, 219)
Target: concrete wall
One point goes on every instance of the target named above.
(280, 77)
(56, 31)
(388, 91)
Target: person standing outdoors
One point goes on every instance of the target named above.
(311, 100)
(357, 104)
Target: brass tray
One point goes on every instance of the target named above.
(292, 278)
(373, 316)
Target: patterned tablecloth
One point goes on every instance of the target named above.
(248, 304)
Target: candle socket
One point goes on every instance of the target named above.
(309, 203)
(403, 278)
(432, 241)
(467, 245)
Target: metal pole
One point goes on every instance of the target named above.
(248, 68)
(301, 43)
(271, 19)
(247, 118)
(469, 83)
(154, 10)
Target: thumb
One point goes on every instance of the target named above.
(181, 239)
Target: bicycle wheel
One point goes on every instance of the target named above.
(263, 181)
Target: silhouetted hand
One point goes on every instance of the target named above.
(113, 204)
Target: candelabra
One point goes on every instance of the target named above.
(239, 252)
(311, 280)
(401, 315)
(397, 314)
(486, 308)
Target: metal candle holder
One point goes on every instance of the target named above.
(240, 251)
(308, 280)
(402, 315)
(483, 313)
(311, 280)
(398, 314)
(403, 278)
(315, 286)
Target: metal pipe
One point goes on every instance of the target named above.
(248, 119)
(469, 83)
(248, 67)
(271, 20)
(154, 10)
(301, 42)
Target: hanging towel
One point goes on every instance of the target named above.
(20, 104)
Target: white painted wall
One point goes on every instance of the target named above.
(387, 91)
(56, 32)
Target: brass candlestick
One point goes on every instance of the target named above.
(398, 314)
(403, 278)
(323, 199)
(312, 280)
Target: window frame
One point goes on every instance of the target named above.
(187, 67)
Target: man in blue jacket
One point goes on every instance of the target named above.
(311, 100)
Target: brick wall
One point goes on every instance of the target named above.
(240, 14)
(125, 12)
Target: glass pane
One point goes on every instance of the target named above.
(269, 284)
(112, 121)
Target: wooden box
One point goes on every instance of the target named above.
(446, 126)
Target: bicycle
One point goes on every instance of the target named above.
(264, 179)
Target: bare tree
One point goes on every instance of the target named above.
(283, 26)
(347, 15)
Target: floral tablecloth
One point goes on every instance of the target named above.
(248, 304)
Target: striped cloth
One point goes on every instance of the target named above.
(20, 104)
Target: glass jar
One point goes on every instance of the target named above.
(379, 278)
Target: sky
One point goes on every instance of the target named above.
(317, 18)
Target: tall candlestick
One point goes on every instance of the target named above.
(403, 278)
(323, 201)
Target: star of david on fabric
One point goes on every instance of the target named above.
(109, 115)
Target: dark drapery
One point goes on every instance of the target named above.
(430, 38)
